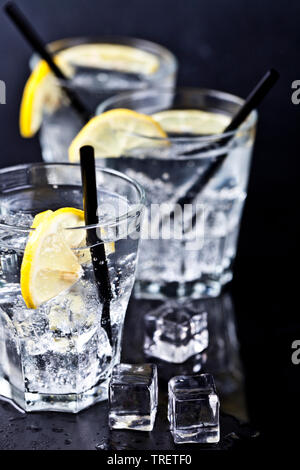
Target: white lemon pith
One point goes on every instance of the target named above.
(112, 57)
(118, 131)
(192, 121)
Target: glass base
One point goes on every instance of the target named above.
(200, 435)
(67, 403)
(198, 289)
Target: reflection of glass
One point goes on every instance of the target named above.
(95, 84)
(221, 358)
(223, 351)
(57, 356)
(196, 259)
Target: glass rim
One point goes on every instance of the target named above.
(139, 94)
(163, 53)
(109, 223)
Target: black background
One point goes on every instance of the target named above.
(225, 45)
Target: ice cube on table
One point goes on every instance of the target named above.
(133, 395)
(193, 409)
(175, 332)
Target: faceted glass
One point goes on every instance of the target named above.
(94, 85)
(58, 356)
(188, 243)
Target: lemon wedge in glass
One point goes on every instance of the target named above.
(41, 93)
(112, 57)
(116, 132)
(191, 121)
(51, 263)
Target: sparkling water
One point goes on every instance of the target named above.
(188, 250)
(58, 356)
(198, 262)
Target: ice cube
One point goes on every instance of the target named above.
(175, 332)
(133, 397)
(193, 409)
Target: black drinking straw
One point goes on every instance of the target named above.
(29, 33)
(99, 261)
(252, 101)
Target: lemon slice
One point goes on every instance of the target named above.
(113, 57)
(69, 217)
(117, 131)
(41, 93)
(192, 121)
(50, 264)
(39, 218)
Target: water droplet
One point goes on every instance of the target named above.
(102, 445)
(16, 418)
(33, 428)
(58, 430)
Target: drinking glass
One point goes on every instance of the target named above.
(59, 356)
(189, 243)
(93, 85)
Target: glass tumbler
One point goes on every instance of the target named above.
(59, 356)
(93, 84)
(192, 221)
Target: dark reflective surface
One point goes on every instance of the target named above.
(89, 430)
(256, 379)
(265, 288)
